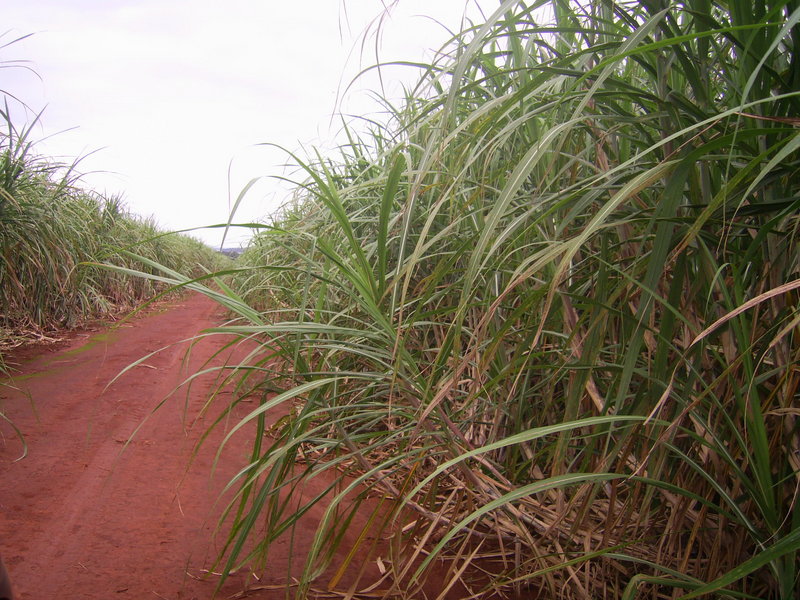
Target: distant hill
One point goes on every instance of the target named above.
(232, 252)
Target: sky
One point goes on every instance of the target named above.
(172, 104)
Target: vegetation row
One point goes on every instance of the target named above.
(54, 238)
(548, 309)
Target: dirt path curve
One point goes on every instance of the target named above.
(78, 518)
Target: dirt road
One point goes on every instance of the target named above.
(81, 519)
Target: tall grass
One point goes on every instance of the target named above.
(54, 236)
(550, 310)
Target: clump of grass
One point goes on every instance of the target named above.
(550, 310)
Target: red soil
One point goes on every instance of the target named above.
(79, 516)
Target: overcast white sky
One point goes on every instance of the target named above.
(164, 94)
